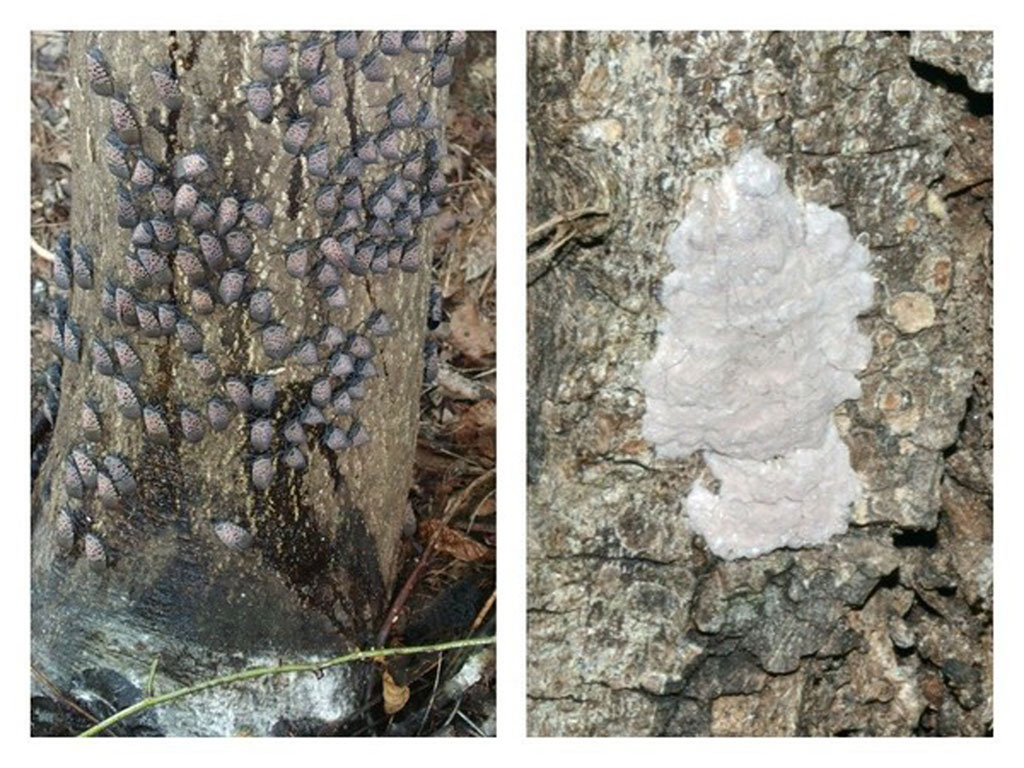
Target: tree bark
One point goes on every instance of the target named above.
(634, 627)
(163, 572)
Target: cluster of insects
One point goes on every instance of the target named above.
(190, 255)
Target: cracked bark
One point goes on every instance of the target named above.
(887, 629)
(316, 579)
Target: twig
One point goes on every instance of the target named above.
(59, 696)
(482, 613)
(433, 695)
(258, 672)
(562, 218)
(38, 250)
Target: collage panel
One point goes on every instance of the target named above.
(759, 383)
(263, 383)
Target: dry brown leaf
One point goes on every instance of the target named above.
(457, 544)
(472, 334)
(475, 428)
(395, 696)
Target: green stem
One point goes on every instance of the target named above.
(256, 672)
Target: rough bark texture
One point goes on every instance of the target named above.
(316, 578)
(633, 627)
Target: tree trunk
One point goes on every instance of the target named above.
(227, 552)
(634, 627)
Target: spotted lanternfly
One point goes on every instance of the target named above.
(128, 359)
(155, 424)
(425, 119)
(312, 416)
(399, 114)
(306, 352)
(414, 207)
(202, 300)
(335, 438)
(193, 428)
(167, 315)
(412, 168)
(378, 323)
(294, 458)
(145, 173)
(257, 214)
(72, 341)
(455, 44)
(260, 306)
(190, 265)
(227, 215)
(239, 245)
(359, 264)
(379, 229)
(125, 306)
(374, 67)
(346, 45)
(294, 433)
(355, 387)
(263, 394)
(202, 216)
(95, 552)
(64, 530)
(410, 257)
(381, 206)
(149, 323)
(326, 200)
(120, 475)
(127, 215)
(260, 99)
(415, 42)
(366, 150)
(206, 369)
(98, 73)
(167, 88)
(403, 225)
(358, 434)
(432, 151)
(336, 297)
(331, 336)
(431, 363)
(62, 269)
(431, 207)
(332, 251)
(262, 472)
(360, 346)
(118, 156)
(72, 479)
(341, 365)
(296, 134)
(185, 200)
(91, 424)
(327, 275)
(342, 403)
(165, 233)
(108, 302)
(388, 142)
(318, 160)
(122, 118)
(86, 467)
(320, 91)
(365, 369)
(320, 392)
(352, 195)
(311, 55)
(239, 394)
(126, 399)
(155, 266)
(57, 336)
(379, 264)
(349, 220)
(297, 259)
(390, 43)
(441, 70)
(232, 284)
(218, 413)
(394, 189)
(213, 252)
(189, 335)
(106, 492)
(349, 166)
(261, 435)
(143, 234)
(436, 183)
(276, 344)
(232, 536)
(274, 59)
(191, 166)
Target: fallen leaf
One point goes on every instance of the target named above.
(472, 334)
(395, 696)
(475, 428)
(452, 542)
